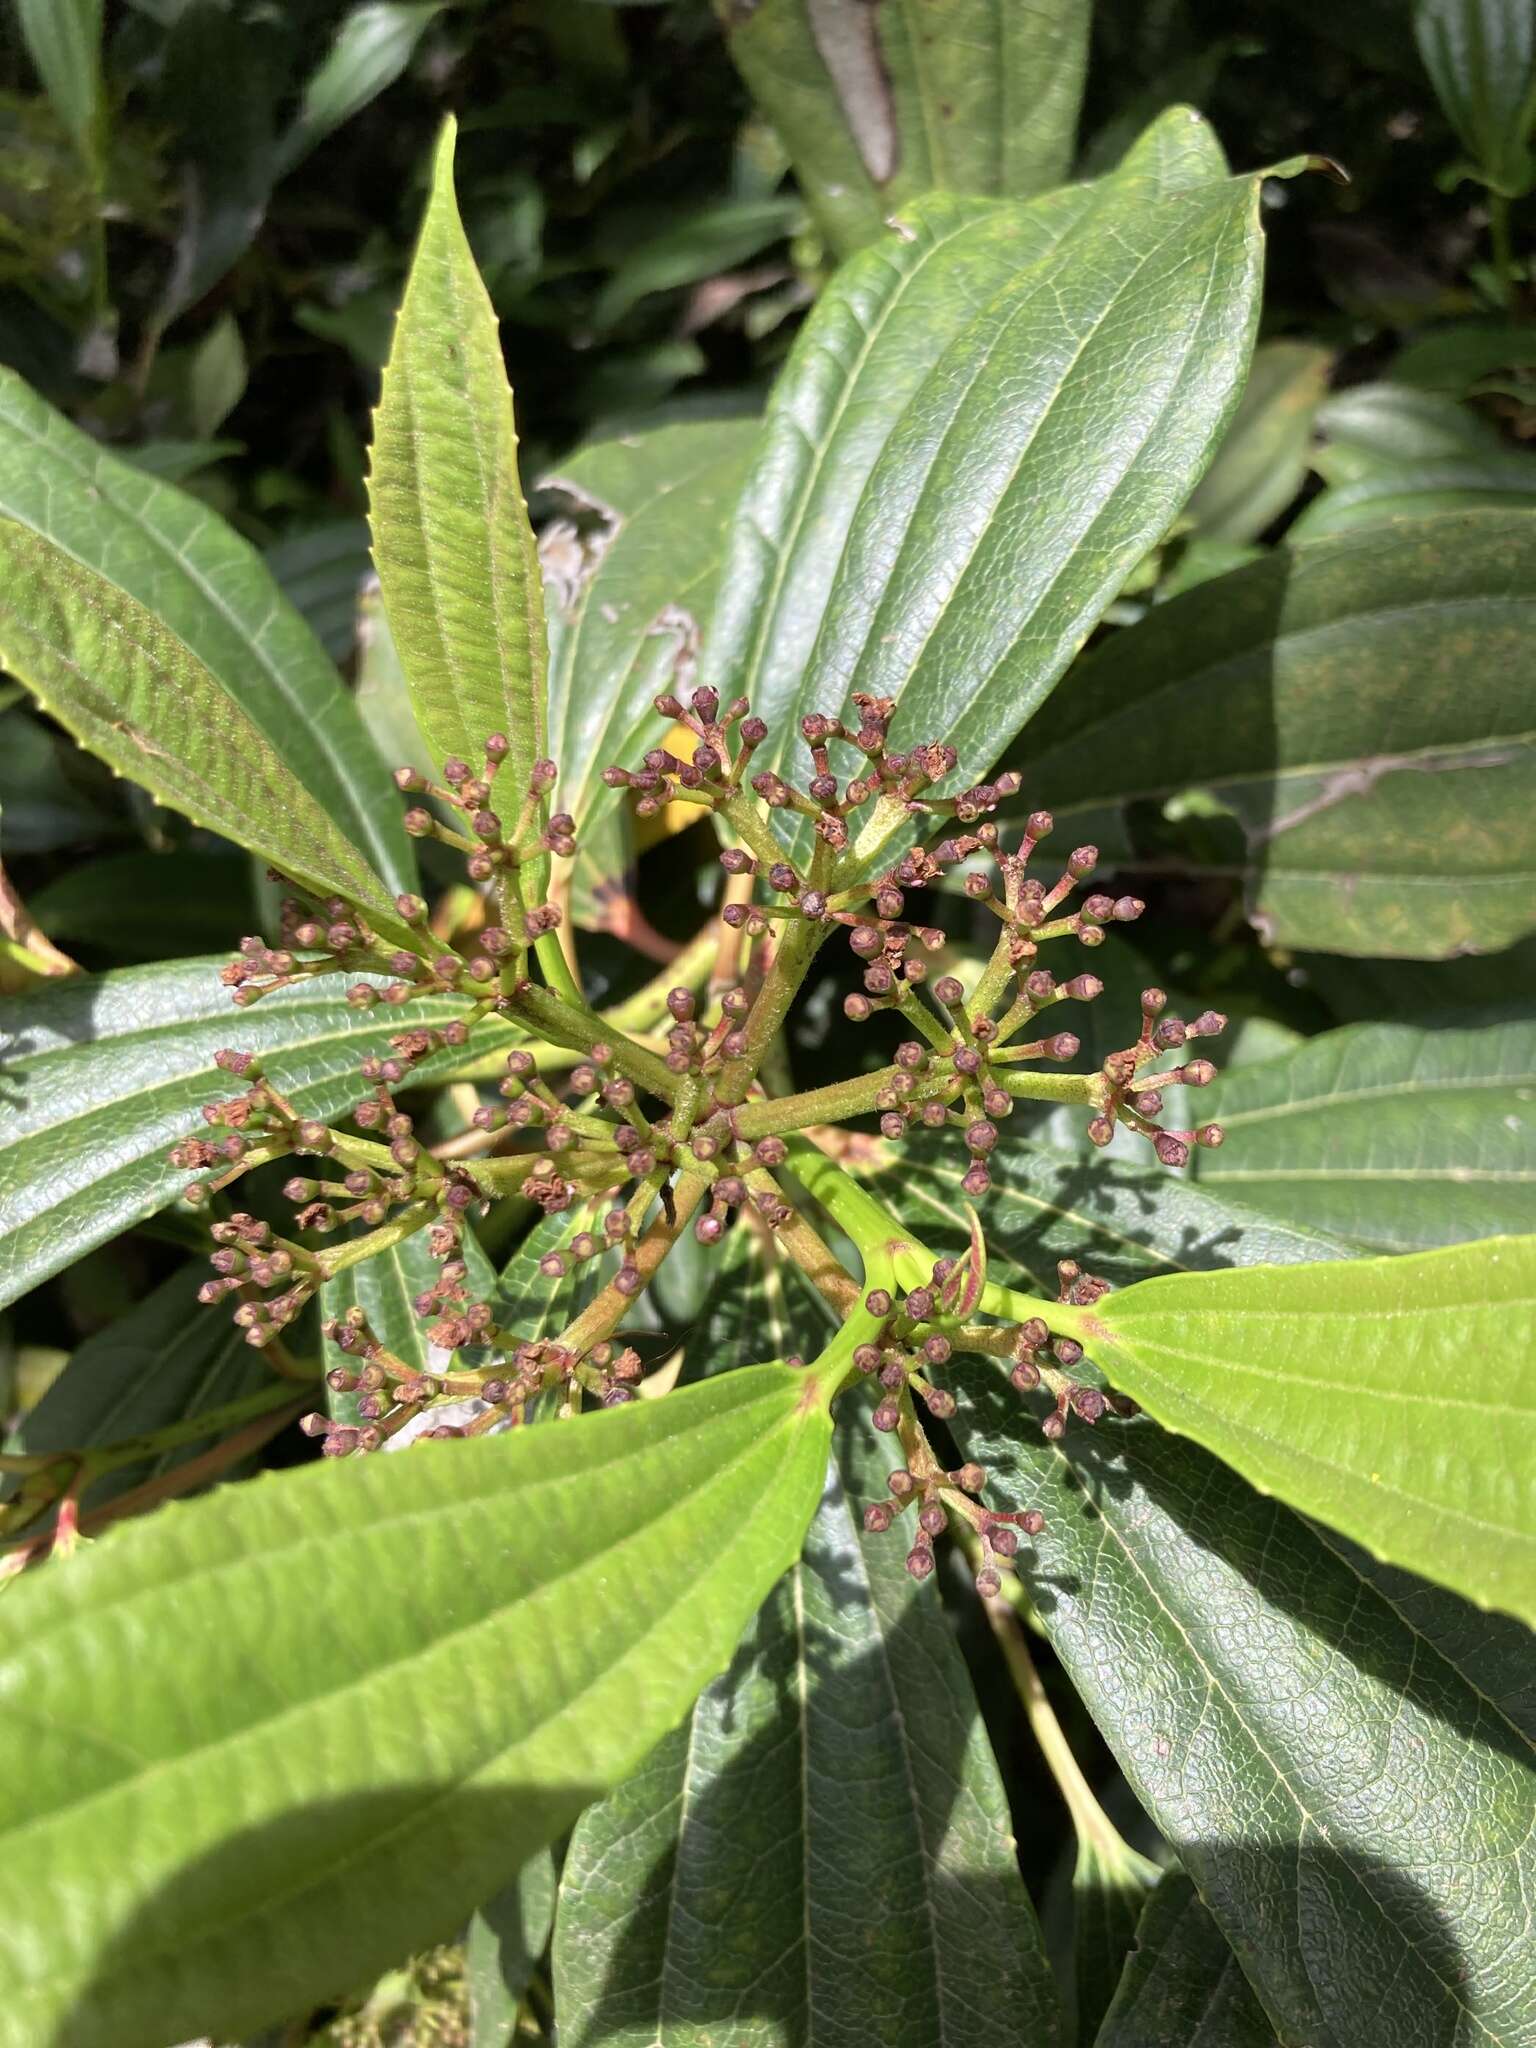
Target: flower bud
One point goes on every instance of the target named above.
(886, 1416)
(877, 1518)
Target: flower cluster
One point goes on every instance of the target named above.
(635, 1139)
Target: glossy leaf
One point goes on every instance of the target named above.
(167, 1359)
(625, 600)
(1363, 709)
(1351, 1392)
(63, 39)
(1262, 460)
(104, 1073)
(1396, 1138)
(1371, 427)
(1481, 59)
(133, 692)
(1182, 1987)
(374, 43)
(879, 104)
(451, 538)
(1121, 1217)
(823, 1851)
(983, 428)
(209, 587)
(284, 1735)
(1418, 490)
(1355, 1807)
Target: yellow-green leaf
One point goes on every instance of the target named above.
(451, 538)
(1391, 1398)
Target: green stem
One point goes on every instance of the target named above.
(1091, 1822)
(832, 1104)
(134, 1450)
(878, 1235)
(576, 1026)
(336, 1258)
(796, 951)
(1012, 1306)
(557, 969)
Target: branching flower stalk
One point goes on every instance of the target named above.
(660, 1119)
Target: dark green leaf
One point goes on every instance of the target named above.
(879, 104)
(322, 570)
(1362, 707)
(1418, 490)
(1481, 58)
(625, 599)
(1356, 1811)
(451, 538)
(1182, 1987)
(1262, 460)
(374, 43)
(136, 694)
(506, 1938)
(103, 1074)
(1343, 1389)
(1459, 357)
(1397, 1138)
(984, 426)
(823, 1852)
(167, 1359)
(286, 1734)
(182, 562)
(716, 238)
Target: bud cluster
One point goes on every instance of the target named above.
(941, 1497)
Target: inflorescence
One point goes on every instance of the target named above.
(635, 1139)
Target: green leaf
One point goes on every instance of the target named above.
(1262, 460)
(451, 538)
(502, 1949)
(625, 598)
(1182, 1984)
(216, 376)
(280, 1737)
(1362, 707)
(373, 45)
(1110, 1885)
(63, 39)
(105, 1073)
(823, 1852)
(879, 104)
(210, 588)
(1398, 1138)
(133, 692)
(1418, 490)
(716, 237)
(1371, 427)
(1339, 1753)
(1384, 1396)
(1123, 1219)
(1354, 1805)
(983, 428)
(384, 1287)
(1481, 59)
(323, 571)
(1457, 358)
(167, 1359)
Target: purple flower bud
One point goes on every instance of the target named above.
(988, 1583)
(920, 1561)
(1004, 1541)
(878, 1302)
(886, 1416)
(857, 1009)
(1170, 1150)
(866, 1357)
(877, 1518)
